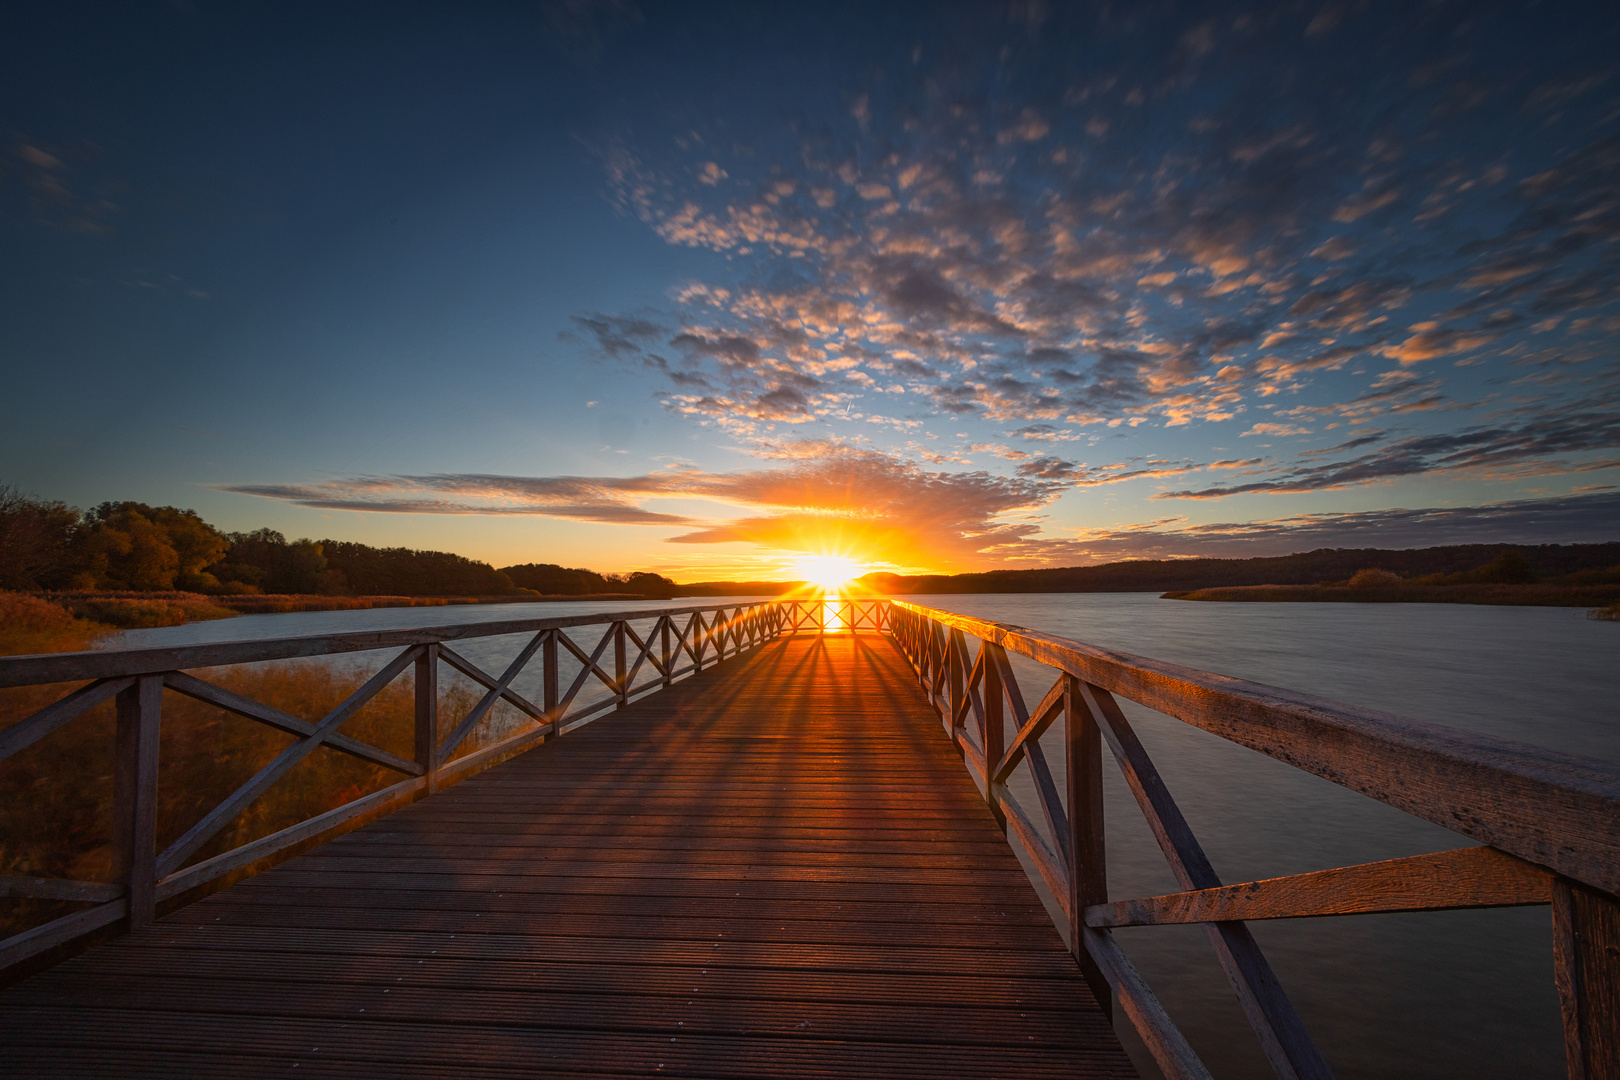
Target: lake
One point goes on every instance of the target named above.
(1412, 995)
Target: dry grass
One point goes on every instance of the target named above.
(29, 624)
(140, 610)
(56, 796)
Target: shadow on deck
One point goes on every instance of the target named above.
(777, 868)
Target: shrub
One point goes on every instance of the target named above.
(1372, 577)
(31, 625)
(143, 612)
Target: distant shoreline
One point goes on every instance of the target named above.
(1526, 595)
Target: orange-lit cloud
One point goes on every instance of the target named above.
(823, 497)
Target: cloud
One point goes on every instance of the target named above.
(1572, 519)
(1278, 430)
(1515, 450)
(824, 496)
(1334, 249)
(982, 251)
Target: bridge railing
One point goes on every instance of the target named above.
(1549, 823)
(672, 643)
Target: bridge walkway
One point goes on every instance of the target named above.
(777, 868)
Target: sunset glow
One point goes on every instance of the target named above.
(1018, 286)
(829, 573)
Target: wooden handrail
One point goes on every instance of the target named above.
(1551, 822)
(118, 663)
(136, 679)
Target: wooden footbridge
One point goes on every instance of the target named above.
(766, 858)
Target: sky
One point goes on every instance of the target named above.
(704, 288)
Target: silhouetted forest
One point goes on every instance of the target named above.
(135, 547)
(1458, 564)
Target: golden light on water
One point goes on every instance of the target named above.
(832, 617)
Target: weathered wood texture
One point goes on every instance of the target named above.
(778, 868)
(1462, 878)
(1549, 808)
(104, 664)
(1563, 811)
(1586, 967)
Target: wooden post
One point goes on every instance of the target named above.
(994, 735)
(548, 669)
(1087, 854)
(426, 679)
(957, 678)
(621, 691)
(663, 648)
(135, 796)
(1586, 969)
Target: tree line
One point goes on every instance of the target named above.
(119, 546)
(1451, 565)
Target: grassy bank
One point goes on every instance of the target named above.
(280, 602)
(56, 796)
(1525, 595)
(141, 610)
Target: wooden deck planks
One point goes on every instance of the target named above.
(778, 868)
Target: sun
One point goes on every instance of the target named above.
(827, 572)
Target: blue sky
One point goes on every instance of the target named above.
(699, 288)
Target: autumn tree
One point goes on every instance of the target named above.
(264, 561)
(130, 545)
(36, 539)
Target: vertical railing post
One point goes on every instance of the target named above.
(957, 678)
(549, 679)
(1586, 970)
(994, 735)
(426, 682)
(135, 796)
(620, 690)
(1087, 855)
(663, 649)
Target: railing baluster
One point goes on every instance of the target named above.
(994, 732)
(1586, 969)
(954, 647)
(620, 689)
(548, 667)
(135, 791)
(1287, 1044)
(1088, 862)
(663, 651)
(426, 680)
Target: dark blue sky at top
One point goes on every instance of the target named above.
(942, 285)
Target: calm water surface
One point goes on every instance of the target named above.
(1416, 995)
(1423, 994)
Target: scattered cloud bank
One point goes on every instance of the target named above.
(1585, 518)
(894, 513)
(1300, 273)
(1114, 246)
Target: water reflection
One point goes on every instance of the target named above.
(1465, 993)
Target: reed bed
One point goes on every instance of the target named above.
(56, 797)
